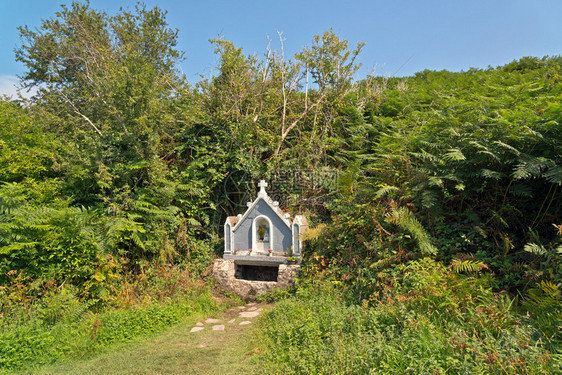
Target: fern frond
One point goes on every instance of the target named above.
(454, 154)
(486, 173)
(550, 289)
(313, 233)
(384, 191)
(406, 219)
(489, 153)
(467, 266)
(554, 175)
(545, 305)
(12, 196)
(429, 198)
(533, 248)
(426, 156)
(17, 247)
(478, 146)
(521, 190)
(507, 147)
(429, 144)
(531, 167)
(435, 181)
(63, 305)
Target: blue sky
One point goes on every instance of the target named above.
(402, 37)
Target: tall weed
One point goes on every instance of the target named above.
(430, 320)
(59, 326)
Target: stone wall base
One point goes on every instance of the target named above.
(224, 273)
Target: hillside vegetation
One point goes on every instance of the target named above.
(438, 250)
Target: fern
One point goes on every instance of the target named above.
(521, 190)
(554, 174)
(467, 266)
(544, 303)
(426, 156)
(434, 181)
(507, 147)
(550, 258)
(406, 219)
(486, 173)
(53, 238)
(63, 305)
(533, 248)
(454, 154)
(12, 196)
(490, 154)
(314, 233)
(385, 190)
(429, 199)
(531, 167)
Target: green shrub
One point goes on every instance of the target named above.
(62, 327)
(430, 320)
(544, 304)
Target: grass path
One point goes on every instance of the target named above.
(179, 351)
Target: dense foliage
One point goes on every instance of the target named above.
(119, 166)
(430, 320)
(61, 326)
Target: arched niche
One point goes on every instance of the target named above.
(262, 234)
(296, 240)
(227, 239)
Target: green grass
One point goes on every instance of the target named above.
(177, 351)
(428, 321)
(34, 343)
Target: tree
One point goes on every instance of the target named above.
(25, 152)
(110, 88)
(109, 81)
(330, 62)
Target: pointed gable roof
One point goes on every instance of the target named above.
(232, 220)
(300, 220)
(262, 195)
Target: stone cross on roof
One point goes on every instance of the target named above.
(262, 186)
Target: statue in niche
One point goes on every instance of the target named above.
(263, 233)
(264, 227)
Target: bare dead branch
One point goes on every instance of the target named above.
(75, 109)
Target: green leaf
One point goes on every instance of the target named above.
(491, 174)
(533, 167)
(554, 174)
(454, 154)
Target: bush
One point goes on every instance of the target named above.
(60, 326)
(430, 320)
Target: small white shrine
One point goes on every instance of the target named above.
(262, 248)
(264, 229)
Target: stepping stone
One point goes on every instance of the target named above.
(241, 307)
(219, 327)
(249, 314)
(199, 324)
(250, 304)
(203, 345)
(196, 329)
(244, 323)
(211, 321)
(231, 321)
(253, 308)
(259, 310)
